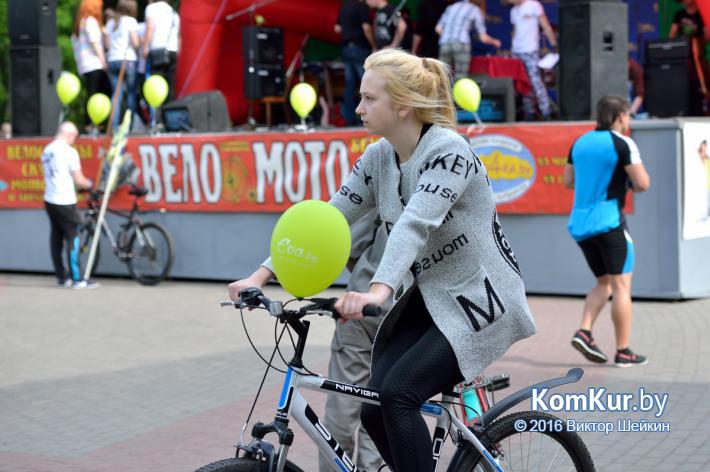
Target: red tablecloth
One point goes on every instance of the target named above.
(503, 67)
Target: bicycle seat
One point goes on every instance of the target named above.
(138, 191)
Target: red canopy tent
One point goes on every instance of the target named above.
(211, 51)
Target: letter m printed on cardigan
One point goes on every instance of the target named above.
(472, 309)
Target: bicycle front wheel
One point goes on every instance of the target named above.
(150, 254)
(86, 236)
(243, 465)
(526, 441)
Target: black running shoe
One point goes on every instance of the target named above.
(586, 345)
(629, 360)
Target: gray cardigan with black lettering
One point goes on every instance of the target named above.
(449, 238)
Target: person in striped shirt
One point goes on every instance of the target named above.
(454, 28)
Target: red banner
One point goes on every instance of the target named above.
(268, 172)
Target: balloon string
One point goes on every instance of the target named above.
(475, 128)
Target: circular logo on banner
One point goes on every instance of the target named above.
(510, 165)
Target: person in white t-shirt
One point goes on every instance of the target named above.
(88, 47)
(527, 17)
(62, 173)
(122, 43)
(162, 41)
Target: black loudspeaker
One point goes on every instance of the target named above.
(668, 89)
(660, 50)
(261, 44)
(593, 55)
(200, 112)
(670, 79)
(33, 98)
(32, 22)
(263, 80)
(497, 98)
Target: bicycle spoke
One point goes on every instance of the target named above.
(532, 451)
(527, 465)
(553, 458)
(150, 254)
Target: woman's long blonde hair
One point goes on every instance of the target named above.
(423, 84)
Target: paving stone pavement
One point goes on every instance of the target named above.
(132, 378)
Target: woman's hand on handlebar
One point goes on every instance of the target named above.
(351, 304)
(258, 279)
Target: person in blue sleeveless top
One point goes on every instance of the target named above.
(603, 164)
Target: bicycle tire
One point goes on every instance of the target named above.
(243, 465)
(86, 235)
(467, 458)
(150, 264)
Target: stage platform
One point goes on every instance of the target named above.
(224, 192)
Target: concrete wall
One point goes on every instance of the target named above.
(230, 245)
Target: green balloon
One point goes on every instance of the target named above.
(68, 87)
(98, 107)
(310, 245)
(155, 90)
(467, 94)
(303, 99)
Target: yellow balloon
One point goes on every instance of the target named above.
(303, 99)
(467, 94)
(310, 245)
(98, 107)
(155, 90)
(68, 87)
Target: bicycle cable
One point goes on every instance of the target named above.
(288, 330)
(476, 412)
(276, 341)
(246, 331)
(278, 348)
(261, 385)
(439, 402)
(293, 343)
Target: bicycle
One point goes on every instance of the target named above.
(491, 444)
(146, 248)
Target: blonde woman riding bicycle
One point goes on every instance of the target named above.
(459, 296)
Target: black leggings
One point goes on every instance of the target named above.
(417, 364)
(64, 222)
(168, 72)
(97, 82)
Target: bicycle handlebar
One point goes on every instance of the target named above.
(96, 193)
(253, 297)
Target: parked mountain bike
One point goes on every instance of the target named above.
(516, 442)
(145, 247)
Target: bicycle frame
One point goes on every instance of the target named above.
(132, 221)
(293, 404)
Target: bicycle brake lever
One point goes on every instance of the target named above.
(235, 305)
(322, 306)
(252, 296)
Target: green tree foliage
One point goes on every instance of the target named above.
(65, 22)
(4, 63)
(65, 19)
